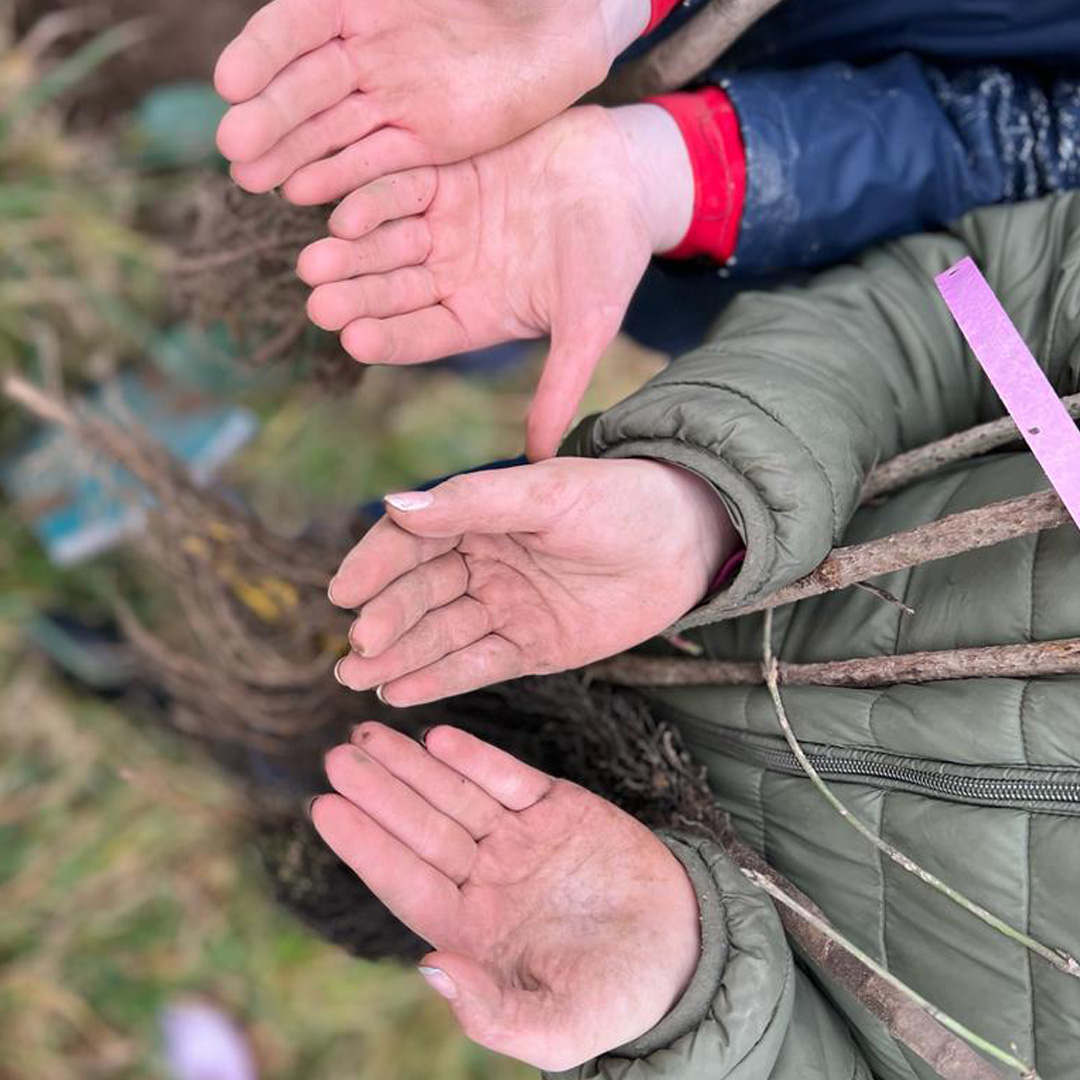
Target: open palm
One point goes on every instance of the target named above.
(329, 94)
(546, 236)
(530, 570)
(562, 927)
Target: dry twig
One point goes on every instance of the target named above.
(1058, 959)
(1061, 657)
(952, 535)
(835, 953)
(916, 464)
(679, 59)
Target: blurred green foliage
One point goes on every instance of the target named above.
(78, 282)
(125, 880)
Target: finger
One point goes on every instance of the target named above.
(374, 296)
(307, 87)
(435, 838)
(569, 370)
(424, 899)
(384, 554)
(274, 37)
(339, 126)
(402, 604)
(415, 338)
(448, 791)
(491, 660)
(438, 634)
(514, 784)
(400, 195)
(400, 243)
(388, 150)
(523, 1024)
(527, 498)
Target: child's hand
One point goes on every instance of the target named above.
(330, 94)
(549, 235)
(563, 927)
(524, 571)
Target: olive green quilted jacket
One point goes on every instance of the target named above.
(798, 395)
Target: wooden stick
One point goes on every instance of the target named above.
(1061, 657)
(953, 535)
(913, 1020)
(1063, 961)
(906, 468)
(909, 1018)
(679, 59)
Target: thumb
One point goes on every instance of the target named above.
(525, 498)
(569, 369)
(507, 1020)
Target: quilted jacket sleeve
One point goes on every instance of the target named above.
(803, 390)
(748, 1013)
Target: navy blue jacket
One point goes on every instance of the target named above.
(925, 109)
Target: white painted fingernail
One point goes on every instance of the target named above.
(381, 696)
(411, 500)
(337, 670)
(439, 981)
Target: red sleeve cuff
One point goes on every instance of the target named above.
(710, 128)
(727, 572)
(661, 9)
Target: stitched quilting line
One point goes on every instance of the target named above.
(884, 923)
(1028, 879)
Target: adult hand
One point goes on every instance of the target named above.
(529, 570)
(549, 235)
(563, 928)
(329, 94)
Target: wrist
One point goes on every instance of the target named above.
(661, 171)
(624, 22)
(712, 140)
(712, 539)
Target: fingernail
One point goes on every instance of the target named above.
(439, 981)
(337, 671)
(424, 733)
(330, 591)
(311, 805)
(354, 643)
(411, 500)
(381, 696)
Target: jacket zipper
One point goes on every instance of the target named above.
(1017, 786)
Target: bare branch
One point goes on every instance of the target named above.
(1061, 657)
(925, 460)
(878, 989)
(679, 59)
(1062, 961)
(953, 535)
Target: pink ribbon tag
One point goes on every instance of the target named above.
(1014, 373)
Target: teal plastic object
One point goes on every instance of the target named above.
(175, 126)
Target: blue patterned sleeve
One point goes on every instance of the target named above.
(840, 156)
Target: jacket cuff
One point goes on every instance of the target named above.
(710, 128)
(691, 1009)
(734, 1016)
(661, 9)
